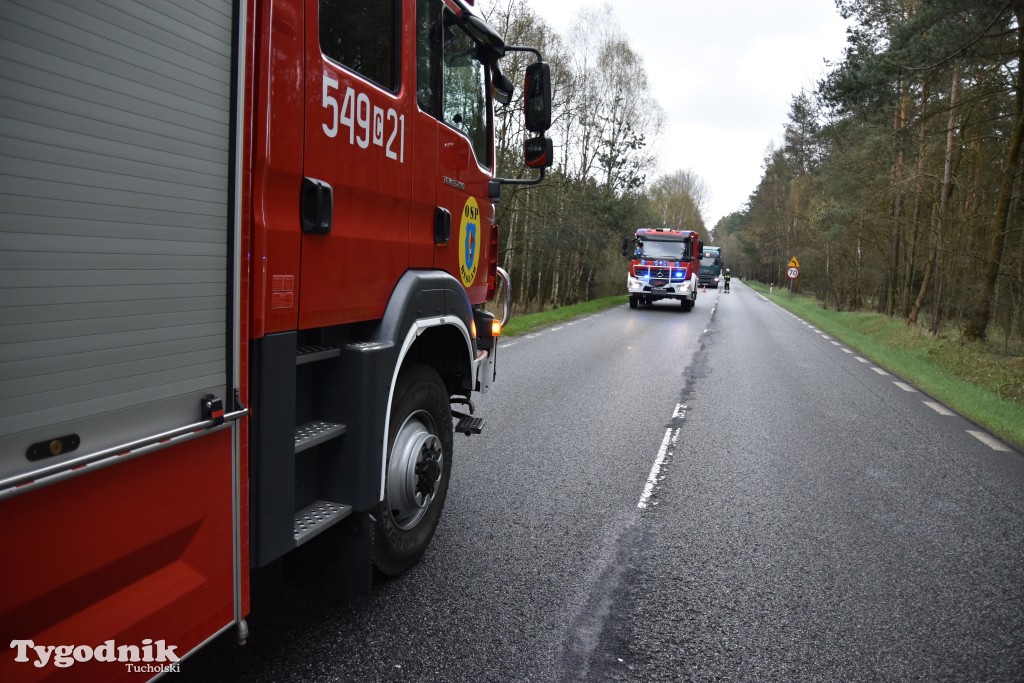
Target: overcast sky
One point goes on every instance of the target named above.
(725, 73)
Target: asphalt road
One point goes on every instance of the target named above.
(725, 494)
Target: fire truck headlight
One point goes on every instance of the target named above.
(686, 288)
(633, 283)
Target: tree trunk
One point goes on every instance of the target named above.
(947, 188)
(899, 172)
(977, 327)
(908, 280)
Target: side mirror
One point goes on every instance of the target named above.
(625, 247)
(700, 247)
(539, 152)
(537, 97)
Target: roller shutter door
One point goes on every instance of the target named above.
(115, 124)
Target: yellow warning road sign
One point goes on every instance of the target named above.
(793, 263)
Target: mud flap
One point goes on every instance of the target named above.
(337, 564)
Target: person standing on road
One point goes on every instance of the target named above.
(728, 279)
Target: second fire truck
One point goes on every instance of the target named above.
(664, 264)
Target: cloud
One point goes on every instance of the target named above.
(725, 74)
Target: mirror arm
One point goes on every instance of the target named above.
(494, 186)
(524, 48)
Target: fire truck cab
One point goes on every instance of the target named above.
(664, 264)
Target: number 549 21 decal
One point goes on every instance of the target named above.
(367, 124)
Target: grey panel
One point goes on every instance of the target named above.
(114, 164)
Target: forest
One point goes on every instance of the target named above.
(896, 181)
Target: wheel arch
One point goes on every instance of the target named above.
(442, 339)
(428, 320)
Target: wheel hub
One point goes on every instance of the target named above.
(414, 472)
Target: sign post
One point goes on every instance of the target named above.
(793, 272)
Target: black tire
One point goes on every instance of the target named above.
(633, 302)
(687, 305)
(418, 470)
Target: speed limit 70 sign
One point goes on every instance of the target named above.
(793, 273)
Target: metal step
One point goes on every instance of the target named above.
(311, 353)
(470, 425)
(317, 517)
(316, 432)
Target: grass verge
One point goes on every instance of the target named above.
(973, 378)
(523, 324)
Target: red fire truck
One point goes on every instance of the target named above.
(664, 264)
(244, 251)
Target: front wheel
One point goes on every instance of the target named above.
(634, 301)
(418, 470)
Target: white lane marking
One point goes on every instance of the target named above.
(835, 343)
(506, 345)
(989, 441)
(825, 336)
(570, 324)
(906, 387)
(668, 442)
(939, 408)
(680, 411)
(880, 371)
(846, 350)
(556, 329)
(862, 360)
(534, 335)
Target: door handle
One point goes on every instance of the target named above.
(442, 226)
(316, 206)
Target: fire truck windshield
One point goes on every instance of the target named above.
(669, 251)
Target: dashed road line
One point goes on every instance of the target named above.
(989, 441)
(671, 435)
(939, 408)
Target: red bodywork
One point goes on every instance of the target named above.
(143, 549)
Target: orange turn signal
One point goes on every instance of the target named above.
(495, 328)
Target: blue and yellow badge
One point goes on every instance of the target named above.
(469, 242)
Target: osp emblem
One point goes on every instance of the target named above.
(469, 236)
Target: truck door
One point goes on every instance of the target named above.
(358, 165)
(454, 96)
